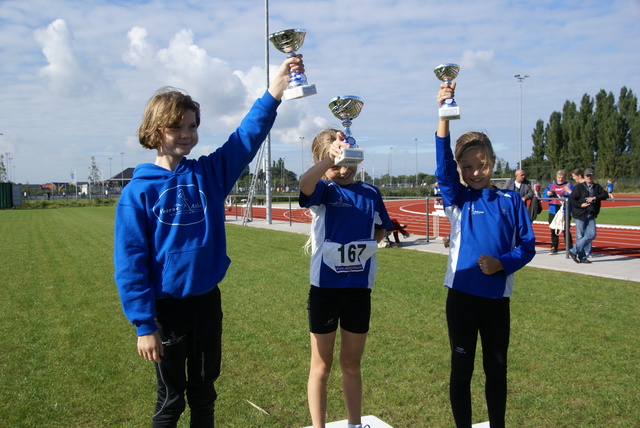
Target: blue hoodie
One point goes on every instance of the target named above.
(169, 226)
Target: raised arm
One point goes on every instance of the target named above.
(446, 92)
(309, 179)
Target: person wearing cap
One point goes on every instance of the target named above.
(585, 201)
(578, 176)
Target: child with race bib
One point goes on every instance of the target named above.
(491, 238)
(348, 220)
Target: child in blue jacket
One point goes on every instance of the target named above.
(491, 238)
(170, 247)
(349, 219)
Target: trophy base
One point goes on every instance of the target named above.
(299, 92)
(349, 157)
(449, 113)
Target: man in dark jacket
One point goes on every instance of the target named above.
(585, 200)
(523, 186)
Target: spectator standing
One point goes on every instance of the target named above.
(559, 189)
(536, 188)
(585, 200)
(521, 185)
(577, 175)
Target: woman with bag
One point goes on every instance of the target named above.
(559, 189)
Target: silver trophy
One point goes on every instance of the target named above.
(346, 108)
(449, 110)
(288, 42)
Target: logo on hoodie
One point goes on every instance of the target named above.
(182, 205)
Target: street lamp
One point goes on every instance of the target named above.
(110, 175)
(390, 163)
(416, 140)
(122, 173)
(301, 157)
(520, 78)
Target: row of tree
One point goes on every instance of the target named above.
(282, 178)
(600, 134)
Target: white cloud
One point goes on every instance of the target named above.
(82, 81)
(66, 74)
(139, 52)
(481, 60)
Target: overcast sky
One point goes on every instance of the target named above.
(75, 75)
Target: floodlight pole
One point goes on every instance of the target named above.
(301, 157)
(520, 79)
(416, 140)
(122, 173)
(267, 161)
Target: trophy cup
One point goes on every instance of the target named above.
(288, 42)
(346, 108)
(449, 110)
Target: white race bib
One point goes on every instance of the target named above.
(347, 258)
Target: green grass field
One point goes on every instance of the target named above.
(68, 356)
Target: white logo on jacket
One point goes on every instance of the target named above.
(182, 205)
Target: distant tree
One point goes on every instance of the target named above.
(3, 170)
(571, 131)
(554, 137)
(538, 142)
(628, 111)
(497, 169)
(536, 165)
(600, 134)
(95, 175)
(585, 151)
(507, 171)
(609, 140)
(633, 169)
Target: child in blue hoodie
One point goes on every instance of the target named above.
(170, 247)
(491, 238)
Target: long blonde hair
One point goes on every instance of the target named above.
(321, 145)
(320, 150)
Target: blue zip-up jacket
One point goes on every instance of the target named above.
(169, 227)
(344, 219)
(486, 221)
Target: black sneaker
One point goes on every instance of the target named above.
(585, 260)
(574, 257)
(553, 252)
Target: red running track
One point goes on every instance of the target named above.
(612, 240)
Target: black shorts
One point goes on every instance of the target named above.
(349, 306)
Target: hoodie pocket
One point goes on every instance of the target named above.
(193, 272)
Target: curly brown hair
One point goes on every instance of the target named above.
(165, 109)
